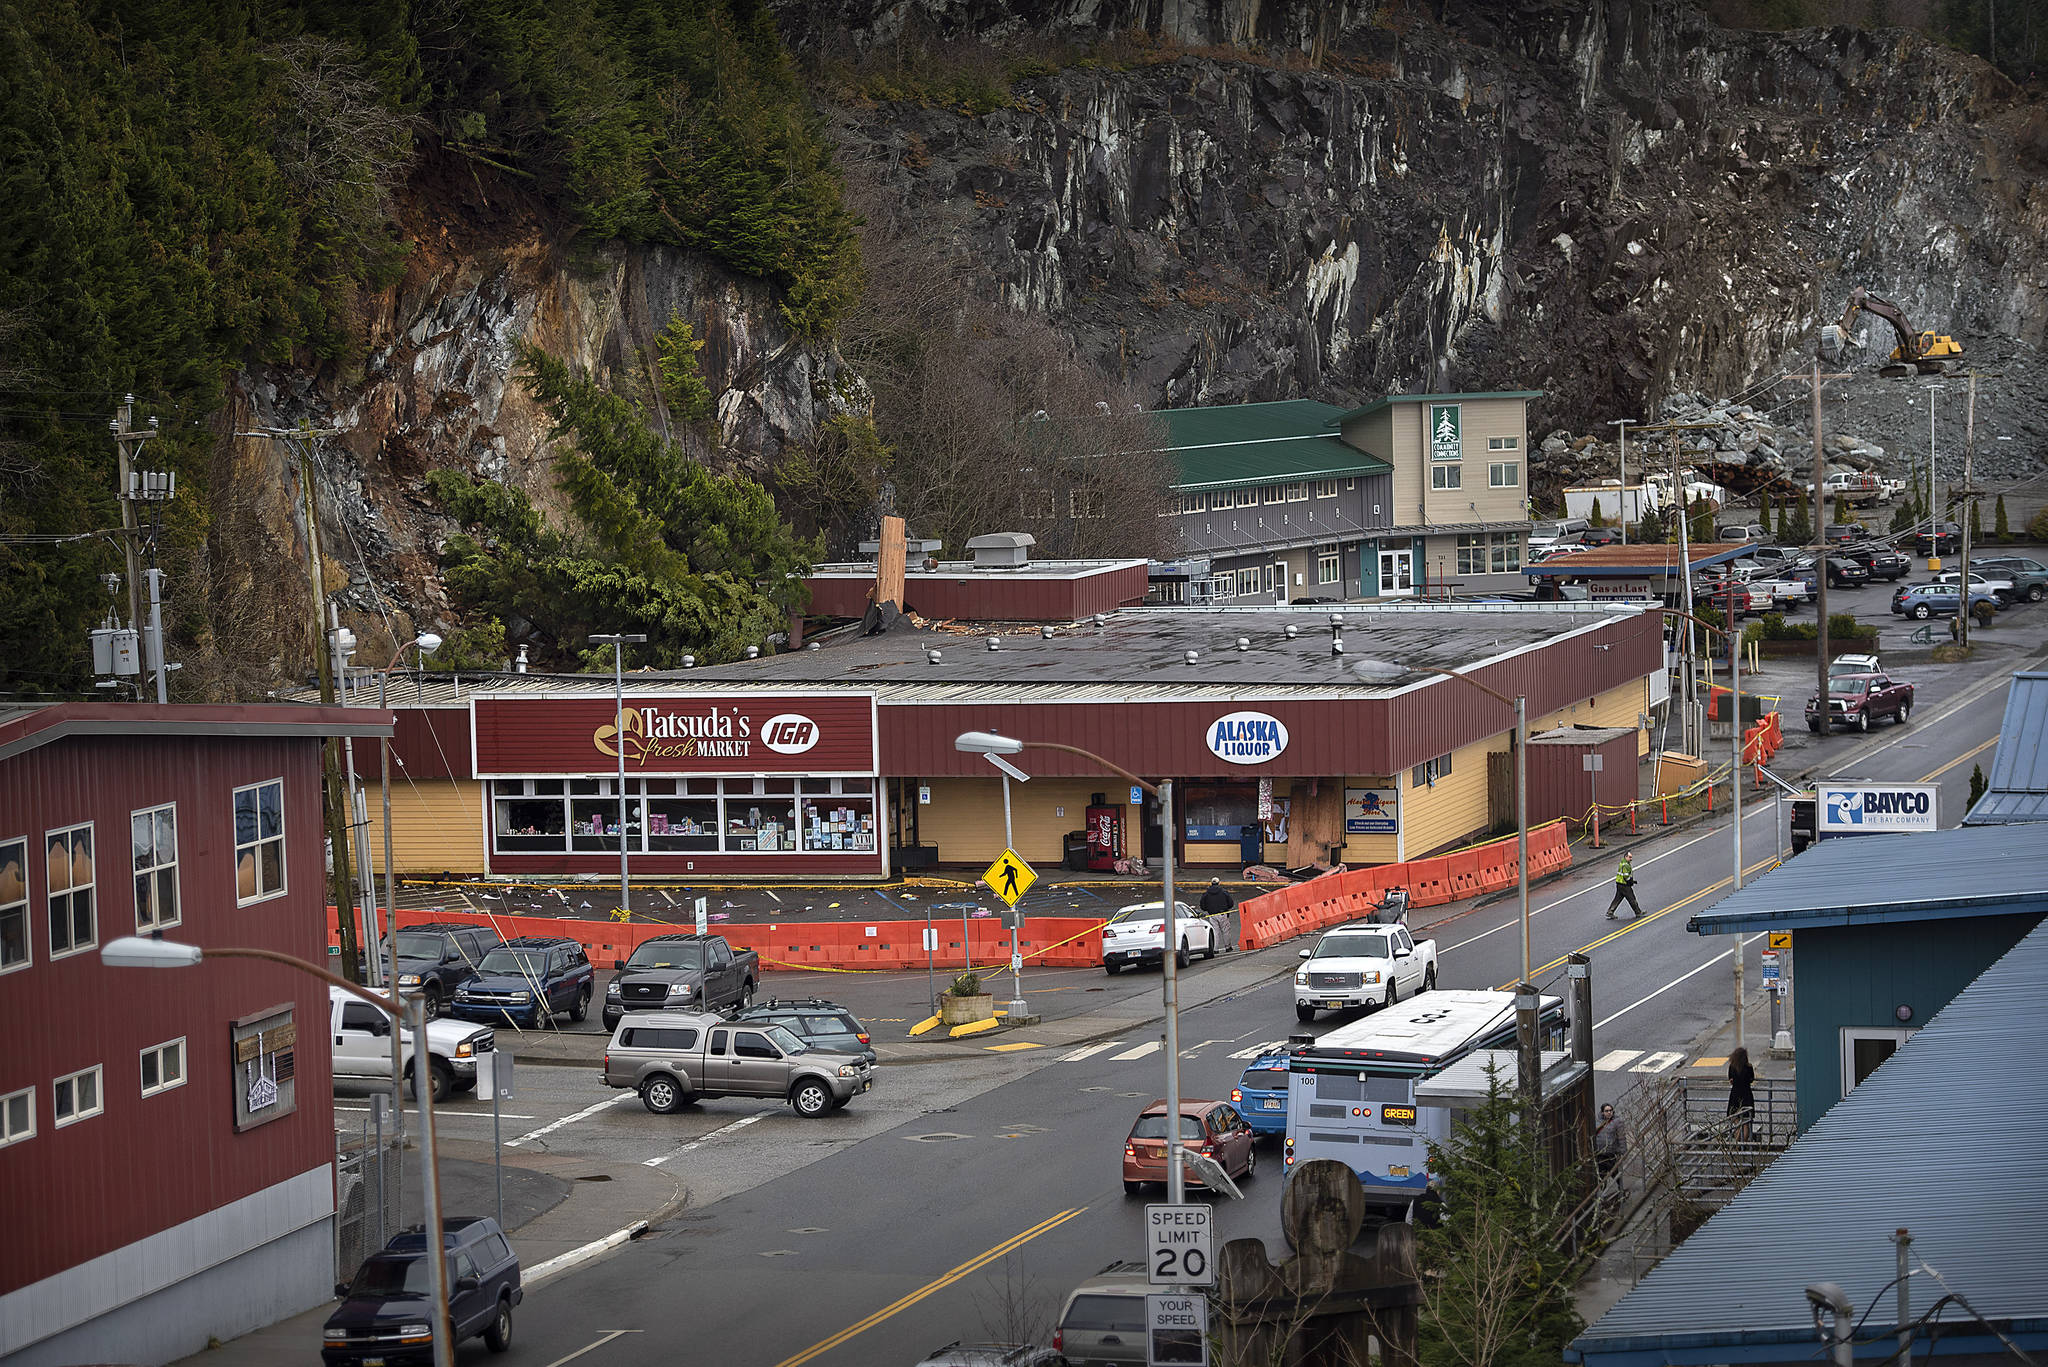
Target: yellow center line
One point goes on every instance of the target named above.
(1959, 759)
(1638, 923)
(937, 1284)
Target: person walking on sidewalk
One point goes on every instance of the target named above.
(1625, 887)
(1741, 1094)
(1217, 899)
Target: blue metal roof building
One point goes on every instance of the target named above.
(1886, 930)
(1944, 1140)
(2019, 768)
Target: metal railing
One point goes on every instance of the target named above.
(369, 1195)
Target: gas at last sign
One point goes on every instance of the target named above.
(1874, 808)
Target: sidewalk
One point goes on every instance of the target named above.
(554, 1205)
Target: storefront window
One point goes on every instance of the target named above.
(1219, 811)
(838, 822)
(682, 824)
(759, 823)
(594, 823)
(531, 817)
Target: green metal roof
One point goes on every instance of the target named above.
(1377, 404)
(1258, 443)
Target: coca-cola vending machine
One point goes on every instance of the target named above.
(1105, 835)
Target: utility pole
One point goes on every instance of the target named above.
(1820, 503)
(339, 805)
(1970, 497)
(124, 437)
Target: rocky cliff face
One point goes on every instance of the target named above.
(438, 390)
(1608, 202)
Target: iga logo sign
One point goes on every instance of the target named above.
(1875, 808)
(1247, 738)
(789, 733)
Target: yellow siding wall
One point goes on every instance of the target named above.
(436, 824)
(1437, 814)
(965, 818)
(1623, 705)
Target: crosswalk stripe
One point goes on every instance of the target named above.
(1260, 1050)
(1614, 1060)
(1089, 1051)
(1657, 1063)
(1149, 1047)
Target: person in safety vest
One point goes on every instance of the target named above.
(1625, 887)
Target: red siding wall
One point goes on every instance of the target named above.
(990, 596)
(148, 1163)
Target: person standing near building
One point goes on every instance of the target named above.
(1216, 899)
(1625, 887)
(1741, 1094)
(1610, 1143)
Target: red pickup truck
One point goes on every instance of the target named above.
(1859, 699)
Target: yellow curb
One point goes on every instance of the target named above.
(1709, 1063)
(973, 1027)
(927, 1023)
(1010, 1048)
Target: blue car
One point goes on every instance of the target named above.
(534, 980)
(1261, 1094)
(1921, 601)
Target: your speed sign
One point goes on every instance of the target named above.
(1177, 1246)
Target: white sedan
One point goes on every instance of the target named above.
(1137, 935)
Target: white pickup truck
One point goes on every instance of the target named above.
(362, 1045)
(1361, 963)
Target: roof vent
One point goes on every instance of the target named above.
(1193, 655)
(1292, 631)
(1102, 619)
(995, 643)
(931, 656)
(689, 662)
(1337, 619)
(814, 646)
(1336, 645)
(753, 652)
(1001, 550)
(1244, 643)
(1046, 632)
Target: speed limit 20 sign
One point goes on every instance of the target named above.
(1177, 1246)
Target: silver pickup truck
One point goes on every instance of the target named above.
(674, 1058)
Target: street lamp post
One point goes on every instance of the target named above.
(1733, 637)
(618, 642)
(1520, 704)
(428, 643)
(135, 951)
(987, 743)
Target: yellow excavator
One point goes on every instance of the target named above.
(1928, 353)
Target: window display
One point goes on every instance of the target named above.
(685, 816)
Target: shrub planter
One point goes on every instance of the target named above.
(954, 1010)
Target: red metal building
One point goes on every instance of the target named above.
(166, 1148)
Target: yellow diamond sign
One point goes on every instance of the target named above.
(1010, 877)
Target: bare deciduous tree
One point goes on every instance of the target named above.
(338, 144)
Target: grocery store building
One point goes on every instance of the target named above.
(1292, 734)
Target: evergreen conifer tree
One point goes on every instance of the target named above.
(2001, 528)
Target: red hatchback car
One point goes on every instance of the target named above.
(1208, 1127)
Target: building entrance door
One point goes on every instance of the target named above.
(1397, 574)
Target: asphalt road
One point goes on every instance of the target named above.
(965, 1198)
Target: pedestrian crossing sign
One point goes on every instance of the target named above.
(1010, 877)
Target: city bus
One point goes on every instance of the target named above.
(1351, 1093)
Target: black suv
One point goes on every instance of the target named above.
(820, 1024)
(1882, 561)
(386, 1314)
(436, 957)
(1943, 538)
(533, 980)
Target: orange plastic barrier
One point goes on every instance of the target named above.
(1429, 883)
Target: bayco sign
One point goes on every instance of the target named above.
(1874, 808)
(1246, 738)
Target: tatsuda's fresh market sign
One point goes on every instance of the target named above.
(756, 734)
(1247, 738)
